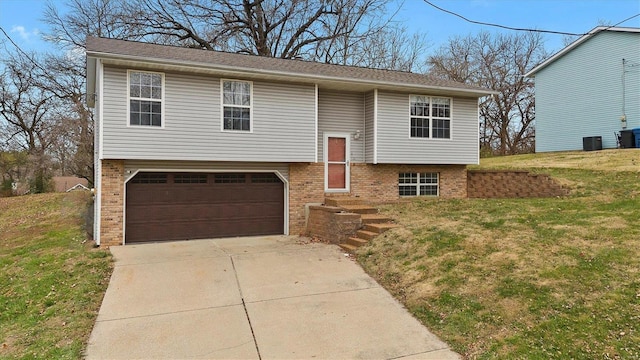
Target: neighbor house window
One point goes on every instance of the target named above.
(414, 184)
(430, 117)
(145, 98)
(236, 105)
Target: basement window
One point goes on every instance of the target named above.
(418, 184)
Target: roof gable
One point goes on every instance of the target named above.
(577, 43)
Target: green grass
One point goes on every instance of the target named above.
(554, 278)
(51, 278)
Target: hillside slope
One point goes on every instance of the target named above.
(604, 160)
(52, 280)
(548, 278)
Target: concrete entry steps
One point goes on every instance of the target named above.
(373, 223)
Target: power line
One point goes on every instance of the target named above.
(22, 51)
(519, 29)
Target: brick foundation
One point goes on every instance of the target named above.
(306, 185)
(112, 200)
(511, 184)
(331, 224)
(378, 183)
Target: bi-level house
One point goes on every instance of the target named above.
(203, 144)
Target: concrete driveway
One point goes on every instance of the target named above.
(273, 297)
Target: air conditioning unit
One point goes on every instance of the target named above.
(592, 143)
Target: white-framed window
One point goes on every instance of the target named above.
(237, 100)
(430, 117)
(146, 98)
(419, 184)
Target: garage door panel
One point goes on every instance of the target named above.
(177, 209)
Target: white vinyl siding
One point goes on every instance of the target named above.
(580, 94)
(369, 109)
(395, 146)
(283, 123)
(342, 112)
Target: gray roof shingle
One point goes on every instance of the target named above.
(304, 69)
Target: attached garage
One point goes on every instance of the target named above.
(181, 206)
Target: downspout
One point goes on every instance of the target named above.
(623, 117)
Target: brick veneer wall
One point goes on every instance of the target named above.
(331, 224)
(111, 197)
(378, 183)
(511, 184)
(306, 185)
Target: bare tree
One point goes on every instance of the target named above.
(354, 32)
(275, 28)
(497, 62)
(103, 18)
(72, 134)
(392, 47)
(27, 113)
(13, 167)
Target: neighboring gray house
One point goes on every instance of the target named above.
(202, 144)
(589, 88)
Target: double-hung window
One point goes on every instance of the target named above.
(430, 117)
(414, 184)
(145, 98)
(236, 105)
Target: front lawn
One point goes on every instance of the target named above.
(51, 278)
(524, 278)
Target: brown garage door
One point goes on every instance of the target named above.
(180, 206)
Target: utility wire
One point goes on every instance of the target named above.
(22, 51)
(519, 29)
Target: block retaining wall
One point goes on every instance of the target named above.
(487, 184)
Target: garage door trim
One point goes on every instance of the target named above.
(130, 174)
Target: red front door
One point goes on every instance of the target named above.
(337, 163)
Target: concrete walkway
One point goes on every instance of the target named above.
(251, 298)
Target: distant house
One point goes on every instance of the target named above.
(69, 183)
(589, 88)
